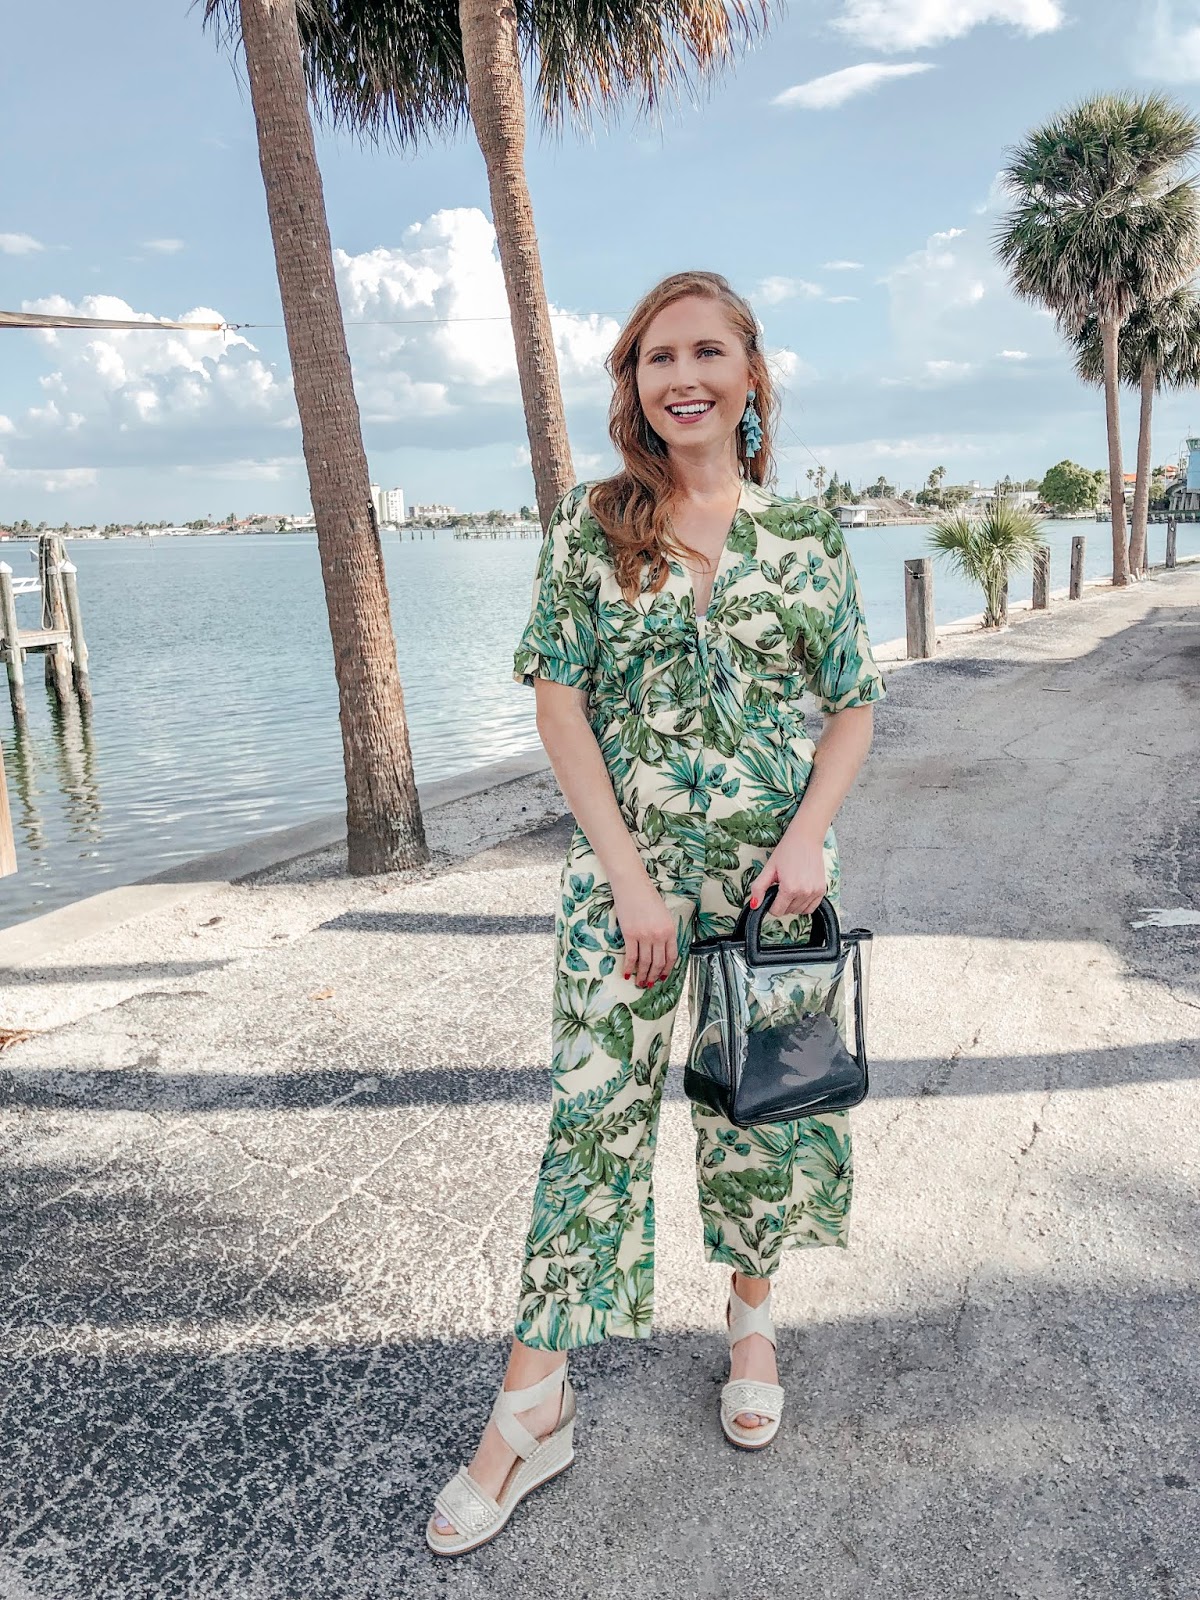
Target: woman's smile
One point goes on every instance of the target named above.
(687, 411)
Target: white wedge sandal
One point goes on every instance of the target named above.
(475, 1515)
(743, 1395)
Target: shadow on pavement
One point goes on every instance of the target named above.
(1042, 1445)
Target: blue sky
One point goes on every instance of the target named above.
(857, 214)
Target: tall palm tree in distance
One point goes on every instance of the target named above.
(1160, 349)
(383, 815)
(407, 70)
(1105, 216)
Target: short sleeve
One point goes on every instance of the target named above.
(840, 669)
(559, 641)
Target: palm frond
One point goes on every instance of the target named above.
(394, 70)
(1161, 334)
(987, 550)
(591, 57)
(1105, 213)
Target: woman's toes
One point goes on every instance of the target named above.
(440, 1525)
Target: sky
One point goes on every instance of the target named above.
(842, 174)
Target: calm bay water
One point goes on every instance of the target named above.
(215, 705)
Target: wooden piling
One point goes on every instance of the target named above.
(918, 608)
(1078, 546)
(13, 654)
(8, 842)
(1041, 578)
(1172, 544)
(51, 555)
(79, 650)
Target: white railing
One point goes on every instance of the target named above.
(26, 586)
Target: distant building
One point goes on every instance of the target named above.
(391, 505)
(1184, 493)
(432, 512)
(377, 501)
(858, 516)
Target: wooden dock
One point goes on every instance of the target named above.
(59, 637)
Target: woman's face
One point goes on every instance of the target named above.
(693, 375)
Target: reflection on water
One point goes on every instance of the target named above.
(52, 771)
(215, 711)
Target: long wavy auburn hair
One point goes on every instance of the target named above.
(633, 506)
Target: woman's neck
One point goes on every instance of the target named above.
(705, 479)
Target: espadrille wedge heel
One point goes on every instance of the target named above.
(475, 1515)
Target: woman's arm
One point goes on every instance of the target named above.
(647, 925)
(797, 863)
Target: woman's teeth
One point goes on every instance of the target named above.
(696, 409)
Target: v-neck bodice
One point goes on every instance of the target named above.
(673, 693)
(690, 576)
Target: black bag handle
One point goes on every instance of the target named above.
(824, 942)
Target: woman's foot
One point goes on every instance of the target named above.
(494, 1462)
(752, 1357)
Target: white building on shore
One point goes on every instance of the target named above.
(389, 505)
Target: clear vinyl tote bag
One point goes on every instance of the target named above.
(779, 1031)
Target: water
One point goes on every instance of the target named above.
(215, 704)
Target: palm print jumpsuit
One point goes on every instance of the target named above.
(700, 726)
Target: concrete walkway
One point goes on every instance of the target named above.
(268, 1158)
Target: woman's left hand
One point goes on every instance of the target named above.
(797, 865)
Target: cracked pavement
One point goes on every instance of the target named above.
(268, 1157)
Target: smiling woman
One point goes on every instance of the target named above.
(680, 611)
(682, 370)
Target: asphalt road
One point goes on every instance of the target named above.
(266, 1180)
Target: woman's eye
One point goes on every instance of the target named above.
(659, 355)
(710, 351)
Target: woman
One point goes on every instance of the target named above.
(680, 609)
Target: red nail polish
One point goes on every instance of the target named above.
(754, 905)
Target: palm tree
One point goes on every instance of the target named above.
(1103, 219)
(1160, 348)
(411, 69)
(383, 814)
(987, 550)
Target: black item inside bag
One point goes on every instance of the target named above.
(770, 1023)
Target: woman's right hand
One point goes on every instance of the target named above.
(649, 930)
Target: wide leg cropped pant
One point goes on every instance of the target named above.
(589, 1259)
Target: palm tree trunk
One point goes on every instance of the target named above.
(497, 98)
(383, 814)
(1109, 329)
(1141, 492)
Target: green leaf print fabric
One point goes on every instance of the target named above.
(701, 727)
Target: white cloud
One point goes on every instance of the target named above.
(917, 450)
(948, 369)
(841, 299)
(166, 247)
(272, 469)
(6, 424)
(50, 482)
(434, 365)
(19, 244)
(1170, 41)
(835, 88)
(149, 394)
(916, 24)
(842, 266)
(773, 291)
(1014, 355)
(787, 366)
(456, 353)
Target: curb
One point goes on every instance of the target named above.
(111, 908)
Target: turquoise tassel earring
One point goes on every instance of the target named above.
(751, 426)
